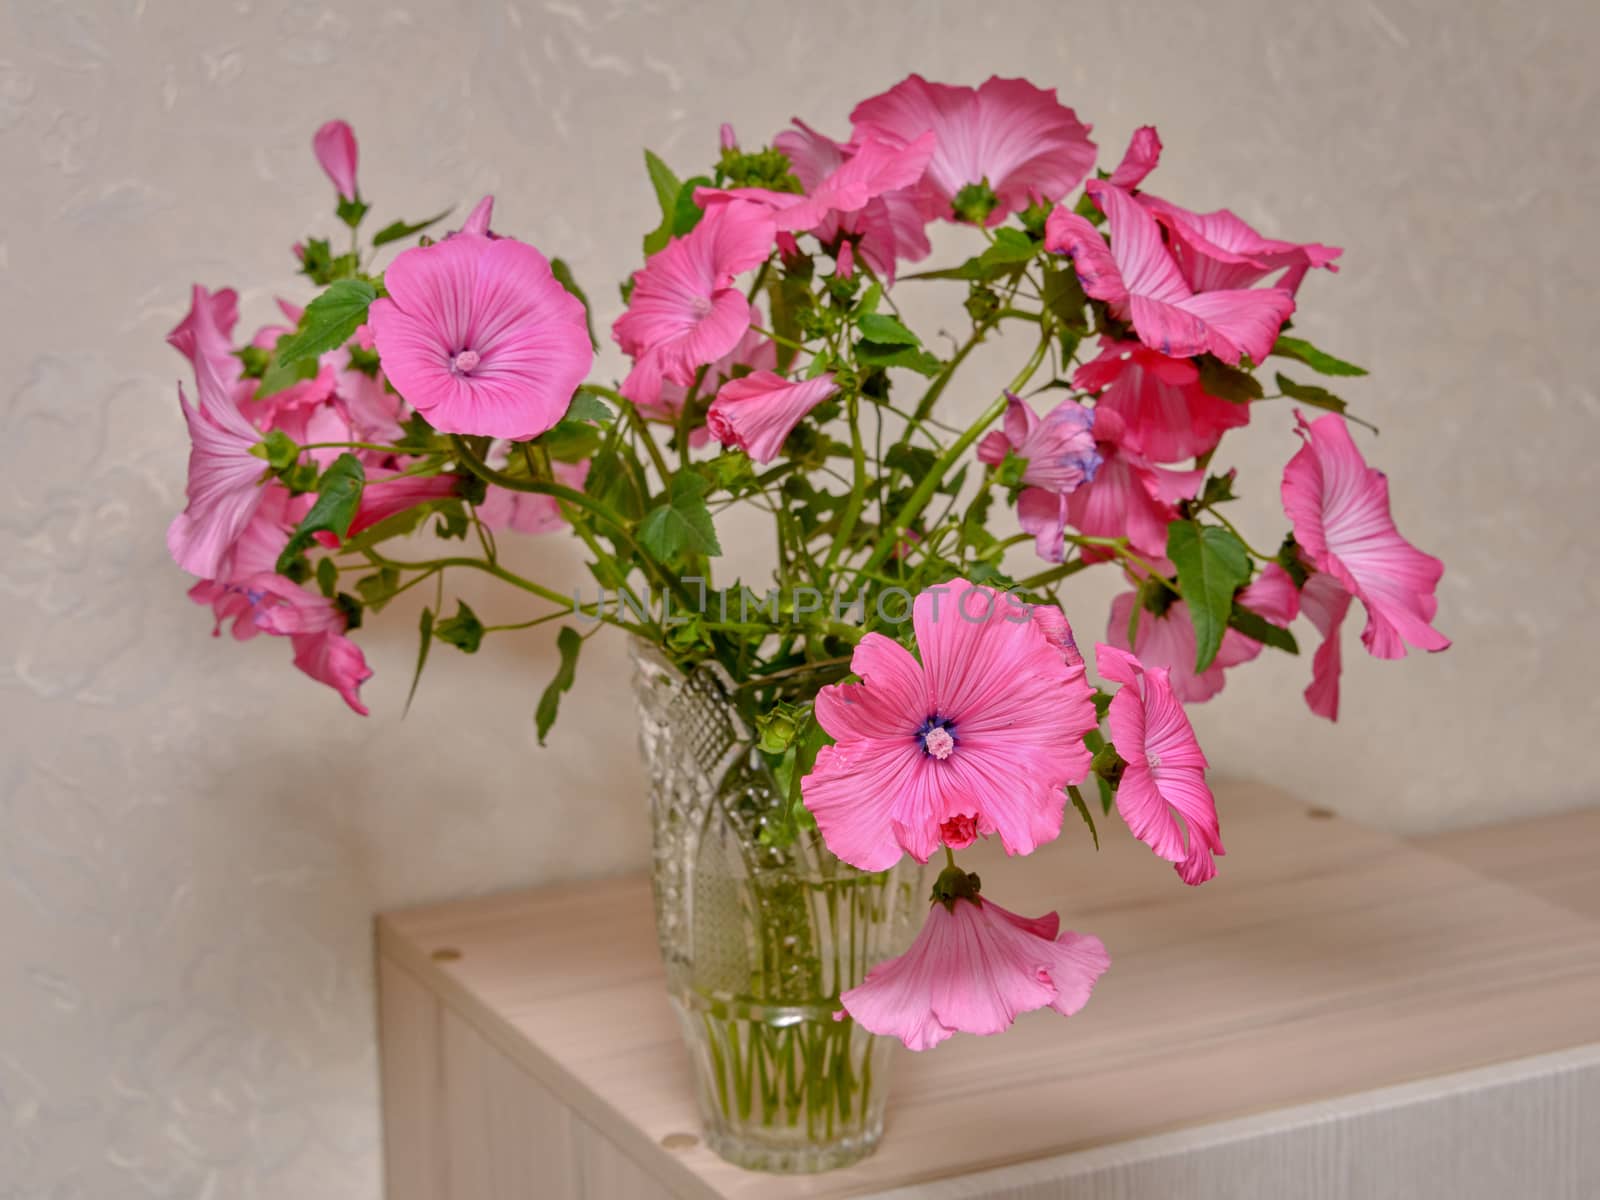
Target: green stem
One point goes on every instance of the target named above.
(858, 490)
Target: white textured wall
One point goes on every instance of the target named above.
(193, 837)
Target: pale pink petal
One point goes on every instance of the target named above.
(757, 412)
(478, 219)
(891, 686)
(1325, 600)
(1217, 251)
(335, 660)
(1143, 153)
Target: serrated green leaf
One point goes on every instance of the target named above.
(667, 187)
(396, 230)
(1318, 360)
(1083, 811)
(338, 497)
(280, 376)
(328, 321)
(875, 354)
(1012, 248)
(568, 643)
(586, 406)
(1212, 564)
(686, 213)
(681, 525)
(463, 631)
(1310, 393)
(885, 330)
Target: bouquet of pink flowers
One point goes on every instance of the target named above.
(911, 696)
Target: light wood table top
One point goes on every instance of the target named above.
(1325, 960)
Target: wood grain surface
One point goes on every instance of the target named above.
(1325, 961)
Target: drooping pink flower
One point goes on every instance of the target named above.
(335, 146)
(1129, 497)
(973, 969)
(1058, 447)
(754, 352)
(989, 725)
(1170, 414)
(389, 492)
(757, 412)
(480, 338)
(1162, 794)
(225, 477)
(210, 337)
(1326, 602)
(844, 263)
(529, 512)
(1217, 251)
(684, 312)
(1167, 639)
(1019, 139)
(1339, 508)
(1141, 157)
(1140, 282)
(255, 552)
(315, 628)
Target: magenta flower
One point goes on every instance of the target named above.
(988, 725)
(1339, 507)
(757, 412)
(1163, 794)
(1167, 411)
(480, 338)
(1141, 283)
(973, 969)
(1027, 146)
(1141, 157)
(1167, 639)
(684, 311)
(335, 147)
(1129, 497)
(1217, 251)
(754, 352)
(315, 627)
(225, 475)
(1059, 448)
(209, 336)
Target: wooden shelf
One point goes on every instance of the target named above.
(1340, 1013)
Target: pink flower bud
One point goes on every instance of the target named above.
(335, 147)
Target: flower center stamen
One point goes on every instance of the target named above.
(463, 363)
(938, 741)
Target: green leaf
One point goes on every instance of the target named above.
(279, 449)
(1310, 393)
(667, 187)
(396, 230)
(1228, 383)
(586, 406)
(463, 631)
(564, 276)
(1065, 300)
(1258, 628)
(327, 577)
(1212, 564)
(876, 354)
(328, 321)
(1011, 249)
(425, 629)
(378, 589)
(1083, 811)
(280, 376)
(1319, 361)
(686, 213)
(338, 497)
(683, 523)
(568, 643)
(885, 330)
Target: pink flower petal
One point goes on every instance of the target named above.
(756, 413)
(335, 148)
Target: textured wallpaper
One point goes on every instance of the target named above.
(193, 837)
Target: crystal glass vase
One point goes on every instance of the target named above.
(759, 939)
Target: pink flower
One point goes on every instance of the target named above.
(1339, 508)
(844, 263)
(315, 628)
(684, 311)
(209, 337)
(754, 352)
(989, 725)
(1167, 639)
(1168, 413)
(389, 492)
(757, 412)
(1163, 794)
(1218, 252)
(1017, 138)
(1059, 448)
(726, 138)
(1143, 153)
(1141, 283)
(529, 512)
(1326, 602)
(224, 475)
(890, 226)
(973, 969)
(480, 338)
(335, 146)
(1129, 497)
